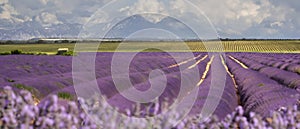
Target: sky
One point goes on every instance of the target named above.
(230, 18)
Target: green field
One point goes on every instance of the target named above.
(269, 46)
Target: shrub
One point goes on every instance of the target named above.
(10, 80)
(5, 53)
(16, 52)
(69, 53)
(41, 53)
(19, 52)
(261, 84)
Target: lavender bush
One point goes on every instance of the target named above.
(19, 111)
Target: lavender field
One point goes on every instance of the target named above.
(260, 83)
(149, 64)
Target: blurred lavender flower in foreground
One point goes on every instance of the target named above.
(19, 111)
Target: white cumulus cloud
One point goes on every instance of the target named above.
(47, 19)
(237, 17)
(147, 6)
(9, 13)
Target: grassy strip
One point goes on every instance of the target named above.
(65, 95)
(19, 52)
(24, 87)
(32, 90)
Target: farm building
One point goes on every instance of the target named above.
(61, 51)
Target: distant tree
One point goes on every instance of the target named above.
(9, 42)
(65, 41)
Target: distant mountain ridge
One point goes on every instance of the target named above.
(35, 30)
(137, 22)
(32, 29)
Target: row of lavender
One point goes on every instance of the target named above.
(43, 74)
(288, 62)
(282, 69)
(262, 88)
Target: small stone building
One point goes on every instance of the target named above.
(61, 51)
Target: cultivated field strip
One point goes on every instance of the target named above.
(284, 62)
(258, 92)
(261, 46)
(269, 46)
(259, 82)
(283, 75)
(40, 75)
(229, 98)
